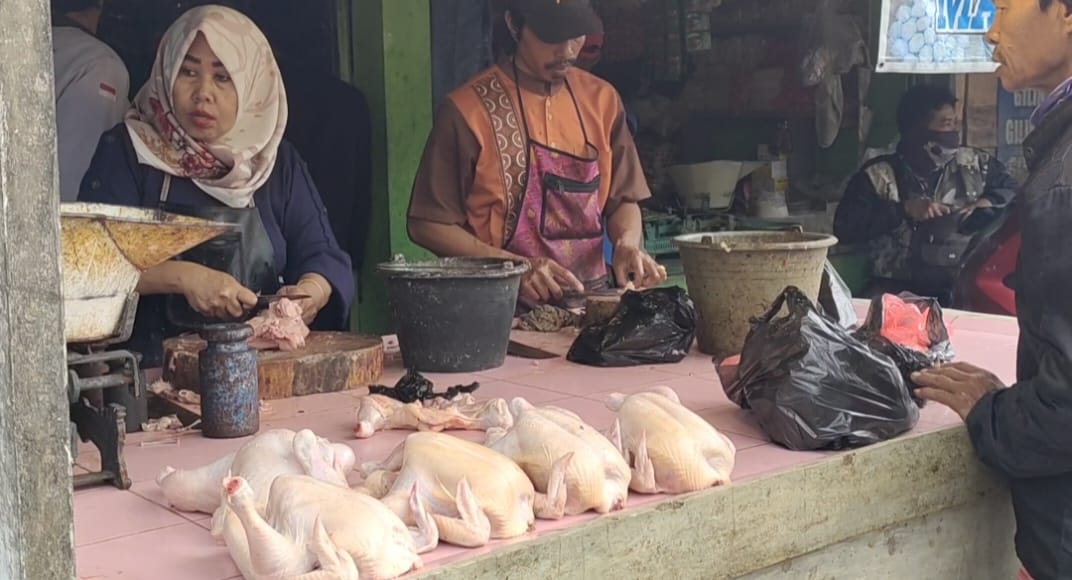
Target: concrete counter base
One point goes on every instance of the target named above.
(920, 507)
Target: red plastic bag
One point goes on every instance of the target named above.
(904, 323)
(912, 322)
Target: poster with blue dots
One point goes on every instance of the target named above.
(935, 37)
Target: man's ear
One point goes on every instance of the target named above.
(512, 26)
(1066, 16)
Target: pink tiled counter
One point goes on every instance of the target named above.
(133, 535)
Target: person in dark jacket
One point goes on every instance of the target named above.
(330, 123)
(205, 139)
(923, 208)
(1025, 431)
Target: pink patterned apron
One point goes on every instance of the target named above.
(559, 215)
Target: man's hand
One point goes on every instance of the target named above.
(215, 294)
(922, 209)
(546, 280)
(958, 386)
(633, 265)
(966, 211)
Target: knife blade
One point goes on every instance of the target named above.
(517, 349)
(266, 299)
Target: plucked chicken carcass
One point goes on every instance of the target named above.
(262, 459)
(670, 448)
(597, 477)
(308, 523)
(280, 327)
(464, 412)
(473, 493)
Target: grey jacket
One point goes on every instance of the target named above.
(1025, 432)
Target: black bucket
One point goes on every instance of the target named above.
(453, 315)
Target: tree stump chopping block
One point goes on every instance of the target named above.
(330, 362)
(599, 308)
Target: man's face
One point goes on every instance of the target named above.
(943, 120)
(548, 62)
(1032, 45)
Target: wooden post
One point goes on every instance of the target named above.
(36, 532)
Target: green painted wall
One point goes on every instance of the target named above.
(390, 60)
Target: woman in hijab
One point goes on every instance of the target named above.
(205, 138)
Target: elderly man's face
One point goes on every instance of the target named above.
(548, 62)
(1032, 45)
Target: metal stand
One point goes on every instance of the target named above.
(107, 394)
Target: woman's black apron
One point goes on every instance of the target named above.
(245, 253)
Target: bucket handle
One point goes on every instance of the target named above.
(788, 228)
(508, 265)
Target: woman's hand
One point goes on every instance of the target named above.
(318, 291)
(215, 294)
(633, 265)
(547, 280)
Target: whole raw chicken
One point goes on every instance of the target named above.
(670, 448)
(597, 477)
(473, 493)
(348, 534)
(262, 459)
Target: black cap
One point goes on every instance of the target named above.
(555, 21)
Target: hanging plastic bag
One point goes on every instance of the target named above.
(649, 327)
(812, 385)
(836, 299)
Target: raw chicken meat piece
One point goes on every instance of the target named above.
(349, 534)
(280, 327)
(262, 459)
(379, 412)
(670, 448)
(597, 478)
(473, 493)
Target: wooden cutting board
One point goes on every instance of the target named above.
(330, 362)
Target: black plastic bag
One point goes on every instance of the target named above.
(649, 327)
(930, 345)
(413, 387)
(812, 385)
(835, 298)
(917, 325)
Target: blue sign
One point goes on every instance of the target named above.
(935, 37)
(1014, 124)
(965, 16)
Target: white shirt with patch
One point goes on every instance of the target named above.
(91, 97)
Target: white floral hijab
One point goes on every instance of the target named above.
(233, 168)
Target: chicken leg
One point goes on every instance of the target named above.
(471, 529)
(552, 505)
(264, 553)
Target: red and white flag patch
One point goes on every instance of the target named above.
(107, 91)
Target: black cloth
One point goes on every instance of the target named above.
(863, 215)
(247, 254)
(925, 258)
(1025, 432)
(331, 127)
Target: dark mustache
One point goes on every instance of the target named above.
(561, 63)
